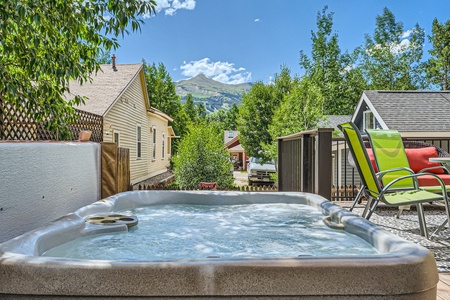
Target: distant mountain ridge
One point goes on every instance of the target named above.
(214, 94)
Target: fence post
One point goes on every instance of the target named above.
(323, 164)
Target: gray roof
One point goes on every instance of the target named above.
(412, 110)
(106, 87)
(332, 121)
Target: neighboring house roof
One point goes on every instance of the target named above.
(332, 121)
(107, 86)
(237, 148)
(227, 139)
(407, 111)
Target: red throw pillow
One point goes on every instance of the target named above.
(419, 159)
(372, 159)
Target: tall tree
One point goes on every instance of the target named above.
(161, 89)
(189, 108)
(438, 65)
(330, 70)
(162, 95)
(231, 118)
(300, 110)
(45, 44)
(201, 111)
(255, 115)
(391, 59)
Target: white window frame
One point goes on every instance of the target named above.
(153, 143)
(366, 119)
(116, 132)
(138, 141)
(163, 139)
(230, 134)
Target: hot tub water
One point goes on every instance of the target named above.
(227, 231)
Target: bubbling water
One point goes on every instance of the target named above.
(227, 231)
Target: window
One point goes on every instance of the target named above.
(369, 120)
(163, 145)
(138, 141)
(116, 138)
(154, 143)
(230, 134)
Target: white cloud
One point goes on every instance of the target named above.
(402, 46)
(406, 34)
(257, 20)
(171, 6)
(224, 72)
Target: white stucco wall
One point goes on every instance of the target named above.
(42, 181)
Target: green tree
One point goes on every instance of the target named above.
(255, 116)
(256, 112)
(45, 44)
(189, 108)
(201, 157)
(389, 60)
(231, 118)
(438, 65)
(104, 57)
(162, 95)
(299, 110)
(161, 89)
(201, 111)
(330, 70)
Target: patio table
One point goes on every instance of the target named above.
(443, 160)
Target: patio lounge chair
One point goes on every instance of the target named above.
(388, 194)
(389, 153)
(418, 155)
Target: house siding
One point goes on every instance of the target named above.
(126, 113)
(159, 164)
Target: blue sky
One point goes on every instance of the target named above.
(236, 41)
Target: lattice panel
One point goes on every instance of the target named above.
(17, 124)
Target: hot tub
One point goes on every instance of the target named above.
(400, 269)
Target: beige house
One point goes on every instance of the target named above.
(119, 95)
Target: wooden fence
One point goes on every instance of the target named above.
(115, 169)
(19, 124)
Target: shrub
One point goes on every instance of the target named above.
(201, 157)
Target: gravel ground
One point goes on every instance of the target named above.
(407, 227)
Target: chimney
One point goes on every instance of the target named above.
(114, 63)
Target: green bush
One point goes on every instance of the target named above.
(201, 157)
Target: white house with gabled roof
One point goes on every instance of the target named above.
(118, 93)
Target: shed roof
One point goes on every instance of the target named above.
(422, 111)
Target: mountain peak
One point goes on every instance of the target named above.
(214, 94)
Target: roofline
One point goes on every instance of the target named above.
(172, 132)
(141, 69)
(365, 99)
(232, 140)
(159, 113)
